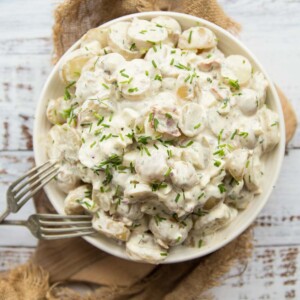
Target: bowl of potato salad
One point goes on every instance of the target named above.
(167, 131)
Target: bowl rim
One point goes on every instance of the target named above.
(38, 149)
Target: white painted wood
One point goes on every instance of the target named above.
(270, 30)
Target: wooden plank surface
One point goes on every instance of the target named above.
(270, 30)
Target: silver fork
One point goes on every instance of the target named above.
(52, 227)
(21, 190)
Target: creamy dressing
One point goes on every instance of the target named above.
(159, 135)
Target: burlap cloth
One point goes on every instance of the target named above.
(57, 262)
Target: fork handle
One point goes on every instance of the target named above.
(4, 215)
(14, 222)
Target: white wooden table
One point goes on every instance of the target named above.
(271, 29)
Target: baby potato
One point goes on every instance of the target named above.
(192, 119)
(145, 34)
(64, 143)
(120, 42)
(236, 70)
(237, 163)
(72, 202)
(183, 174)
(95, 34)
(270, 127)
(197, 38)
(143, 247)
(55, 110)
(104, 223)
(247, 101)
(217, 218)
(172, 26)
(154, 167)
(67, 178)
(72, 64)
(168, 231)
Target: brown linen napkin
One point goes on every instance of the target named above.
(75, 259)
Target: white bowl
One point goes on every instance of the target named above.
(229, 45)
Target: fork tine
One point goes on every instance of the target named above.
(65, 236)
(33, 184)
(53, 216)
(64, 230)
(27, 174)
(66, 223)
(31, 179)
(21, 203)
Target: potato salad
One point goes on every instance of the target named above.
(159, 135)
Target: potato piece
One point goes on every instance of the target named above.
(56, 110)
(197, 155)
(183, 174)
(73, 63)
(120, 42)
(67, 178)
(197, 38)
(270, 127)
(192, 119)
(91, 85)
(247, 101)
(136, 190)
(236, 163)
(260, 85)
(172, 26)
(64, 143)
(95, 34)
(142, 247)
(72, 203)
(187, 88)
(219, 217)
(253, 174)
(163, 120)
(154, 167)
(137, 79)
(169, 232)
(236, 68)
(146, 34)
(105, 224)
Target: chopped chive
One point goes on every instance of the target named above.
(169, 116)
(200, 196)
(163, 254)
(244, 134)
(217, 163)
(105, 85)
(170, 154)
(220, 136)
(234, 84)
(168, 172)
(93, 144)
(158, 77)
(172, 62)
(132, 47)
(197, 126)
(150, 117)
(154, 64)
(156, 123)
(247, 163)
(190, 36)
(233, 135)
(187, 145)
(177, 198)
(132, 90)
(222, 188)
(200, 243)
